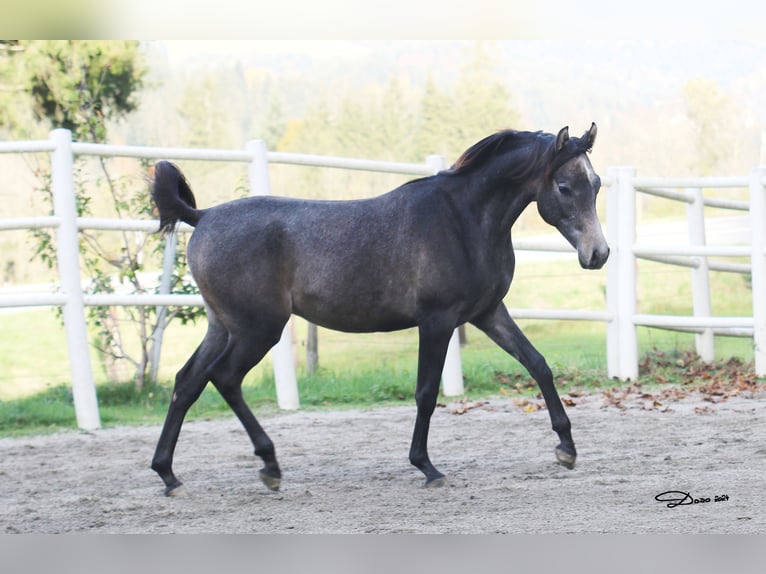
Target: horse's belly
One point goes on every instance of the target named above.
(359, 324)
(356, 311)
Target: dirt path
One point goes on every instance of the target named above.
(347, 472)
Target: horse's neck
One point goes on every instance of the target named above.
(520, 199)
(499, 205)
(503, 200)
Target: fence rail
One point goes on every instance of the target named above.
(620, 315)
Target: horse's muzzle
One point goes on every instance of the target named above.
(595, 259)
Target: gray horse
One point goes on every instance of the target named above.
(434, 254)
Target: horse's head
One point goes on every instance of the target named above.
(567, 199)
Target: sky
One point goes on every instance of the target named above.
(384, 19)
(451, 19)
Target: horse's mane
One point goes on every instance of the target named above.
(540, 156)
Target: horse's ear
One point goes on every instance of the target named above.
(562, 138)
(590, 135)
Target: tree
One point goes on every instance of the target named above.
(274, 124)
(481, 102)
(352, 134)
(476, 106)
(76, 85)
(435, 116)
(81, 86)
(213, 108)
(711, 114)
(15, 116)
(393, 124)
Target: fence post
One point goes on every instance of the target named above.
(68, 261)
(613, 276)
(452, 373)
(695, 213)
(282, 353)
(622, 339)
(168, 263)
(758, 282)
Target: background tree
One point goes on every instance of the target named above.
(482, 104)
(434, 117)
(81, 86)
(393, 124)
(712, 115)
(15, 116)
(274, 124)
(203, 117)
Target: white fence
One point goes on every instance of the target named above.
(620, 314)
(622, 356)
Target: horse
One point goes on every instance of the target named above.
(432, 254)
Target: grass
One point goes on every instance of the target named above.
(361, 370)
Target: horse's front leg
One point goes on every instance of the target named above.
(434, 339)
(504, 331)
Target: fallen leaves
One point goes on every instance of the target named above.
(464, 405)
(514, 383)
(683, 374)
(665, 378)
(529, 406)
(633, 394)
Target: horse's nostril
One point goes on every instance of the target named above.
(598, 258)
(603, 255)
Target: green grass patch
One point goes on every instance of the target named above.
(48, 411)
(576, 356)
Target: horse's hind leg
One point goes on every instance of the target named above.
(243, 352)
(503, 330)
(189, 384)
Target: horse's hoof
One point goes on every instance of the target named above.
(179, 490)
(565, 459)
(271, 482)
(437, 482)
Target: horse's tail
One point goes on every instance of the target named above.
(173, 197)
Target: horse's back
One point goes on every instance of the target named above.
(266, 227)
(334, 262)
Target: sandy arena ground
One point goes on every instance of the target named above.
(347, 472)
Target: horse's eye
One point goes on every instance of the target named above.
(565, 190)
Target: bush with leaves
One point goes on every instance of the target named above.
(80, 85)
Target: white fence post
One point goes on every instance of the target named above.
(695, 213)
(452, 373)
(758, 230)
(168, 263)
(68, 260)
(612, 276)
(622, 339)
(285, 379)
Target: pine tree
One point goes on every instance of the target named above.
(435, 116)
(482, 103)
